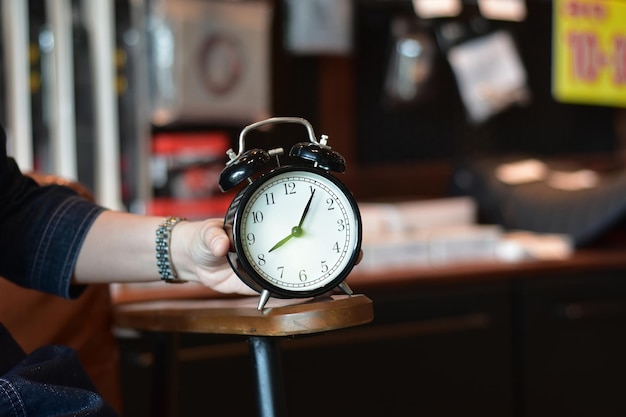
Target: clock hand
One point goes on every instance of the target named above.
(282, 241)
(296, 231)
(306, 209)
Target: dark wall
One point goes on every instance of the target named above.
(436, 127)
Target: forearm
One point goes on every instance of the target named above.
(119, 247)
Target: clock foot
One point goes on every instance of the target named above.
(345, 288)
(265, 295)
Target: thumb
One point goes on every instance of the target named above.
(219, 243)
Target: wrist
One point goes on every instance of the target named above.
(183, 237)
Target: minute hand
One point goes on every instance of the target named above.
(306, 209)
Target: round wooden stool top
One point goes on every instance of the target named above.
(241, 316)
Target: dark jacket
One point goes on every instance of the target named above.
(41, 230)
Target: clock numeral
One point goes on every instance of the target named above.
(331, 203)
(290, 188)
(269, 199)
(302, 275)
(341, 225)
(280, 269)
(250, 238)
(324, 267)
(336, 247)
(257, 216)
(261, 259)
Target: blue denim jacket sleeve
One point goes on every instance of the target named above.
(41, 230)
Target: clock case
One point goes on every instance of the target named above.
(255, 167)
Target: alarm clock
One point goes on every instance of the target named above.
(296, 227)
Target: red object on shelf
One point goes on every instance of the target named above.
(185, 171)
(207, 144)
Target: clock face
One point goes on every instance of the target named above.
(298, 231)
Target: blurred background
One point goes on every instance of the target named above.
(146, 121)
(462, 122)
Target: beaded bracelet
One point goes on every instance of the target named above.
(163, 255)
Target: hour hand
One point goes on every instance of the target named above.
(296, 231)
(281, 242)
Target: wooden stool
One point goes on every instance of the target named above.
(241, 317)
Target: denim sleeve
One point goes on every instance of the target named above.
(56, 240)
(50, 381)
(41, 230)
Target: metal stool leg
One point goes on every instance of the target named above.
(165, 380)
(267, 366)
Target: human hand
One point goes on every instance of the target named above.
(199, 250)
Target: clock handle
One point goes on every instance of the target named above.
(244, 164)
(272, 120)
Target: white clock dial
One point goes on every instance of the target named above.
(299, 231)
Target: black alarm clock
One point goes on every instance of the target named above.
(296, 228)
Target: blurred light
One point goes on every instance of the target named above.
(46, 40)
(514, 10)
(437, 8)
(410, 48)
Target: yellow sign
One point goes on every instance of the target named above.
(589, 52)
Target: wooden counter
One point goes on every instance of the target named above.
(589, 260)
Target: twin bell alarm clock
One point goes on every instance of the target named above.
(296, 228)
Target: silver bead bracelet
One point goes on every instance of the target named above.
(163, 255)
